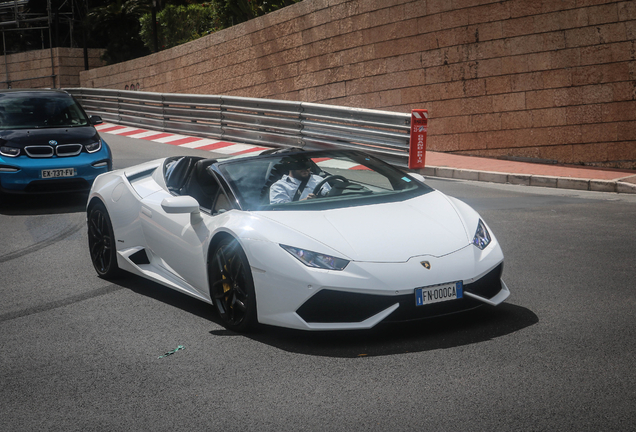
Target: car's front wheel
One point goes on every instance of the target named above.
(232, 286)
(101, 242)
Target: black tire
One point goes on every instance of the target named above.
(101, 242)
(6, 199)
(232, 286)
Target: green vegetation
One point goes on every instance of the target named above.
(116, 26)
(232, 12)
(180, 24)
(124, 28)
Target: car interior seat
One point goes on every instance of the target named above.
(222, 204)
(201, 185)
(38, 115)
(177, 172)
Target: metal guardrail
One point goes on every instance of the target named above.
(274, 123)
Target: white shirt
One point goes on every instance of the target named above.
(284, 189)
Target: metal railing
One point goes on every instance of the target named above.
(274, 123)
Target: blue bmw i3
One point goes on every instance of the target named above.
(48, 143)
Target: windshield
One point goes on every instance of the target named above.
(317, 180)
(33, 111)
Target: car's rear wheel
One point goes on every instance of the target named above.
(101, 242)
(232, 286)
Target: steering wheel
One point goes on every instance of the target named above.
(328, 179)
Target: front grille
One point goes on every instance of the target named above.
(46, 151)
(68, 149)
(41, 151)
(329, 306)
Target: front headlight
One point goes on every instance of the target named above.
(10, 151)
(94, 147)
(482, 236)
(315, 259)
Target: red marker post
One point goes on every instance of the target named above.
(417, 148)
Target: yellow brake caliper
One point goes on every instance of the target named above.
(226, 286)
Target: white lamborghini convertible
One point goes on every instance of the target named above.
(314, 240)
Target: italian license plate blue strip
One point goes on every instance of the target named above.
(439, 293)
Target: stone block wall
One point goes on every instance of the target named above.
(548, 80)
(33, 69)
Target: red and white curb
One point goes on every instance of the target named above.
(216, 146)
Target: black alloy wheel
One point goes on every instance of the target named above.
(101, 242)
(232, 286)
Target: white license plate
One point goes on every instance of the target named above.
(56, 173)
(438, 293)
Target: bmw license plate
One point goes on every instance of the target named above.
(439, 293)
(57, 173)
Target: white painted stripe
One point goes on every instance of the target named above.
(144, 134)
(121, 131)
(104, 126)
(337, 164)
(170, 138)
(234, 148)
(199, 143)
(416, 115)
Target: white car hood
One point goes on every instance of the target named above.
(391, 232)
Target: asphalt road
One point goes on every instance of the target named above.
(79, 353)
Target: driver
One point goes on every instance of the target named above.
(298, 185)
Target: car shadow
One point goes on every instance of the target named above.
(479, 325)
(29, 205)
(166, 295)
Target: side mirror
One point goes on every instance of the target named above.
(95, 120)
(182, 204)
